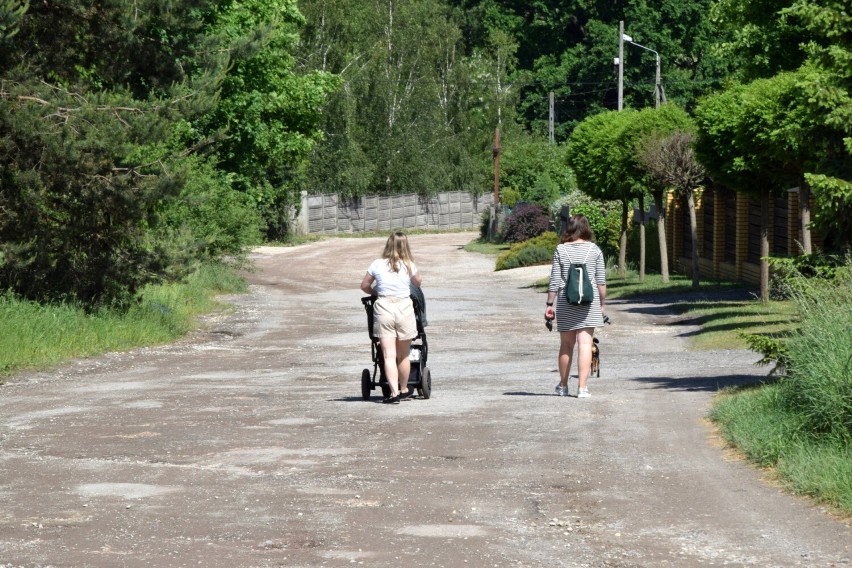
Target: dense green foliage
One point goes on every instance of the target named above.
(177, 132)
(140, 138)
(791, 121)
(425, 85)
(534, 170)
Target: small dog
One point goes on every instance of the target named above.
(596, 358)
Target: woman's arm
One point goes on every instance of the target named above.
(417, 280)
(553, 287)
(367, 284)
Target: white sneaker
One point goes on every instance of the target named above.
(561, 391)
(583, 393)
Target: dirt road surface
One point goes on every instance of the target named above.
(248, 444)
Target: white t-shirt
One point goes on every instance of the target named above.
(391, 283)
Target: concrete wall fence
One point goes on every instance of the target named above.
(329, 213)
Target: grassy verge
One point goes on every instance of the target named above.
(36, 336)
(723, 323)
(801, 424)
(483, 247)
(759, 423)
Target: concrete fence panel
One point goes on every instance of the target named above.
(329, 213)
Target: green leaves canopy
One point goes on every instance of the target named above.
(125, 128)
(597, 157)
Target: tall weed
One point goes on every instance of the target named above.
(819, 381)
(802, 423)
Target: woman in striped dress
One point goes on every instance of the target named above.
(576, 324)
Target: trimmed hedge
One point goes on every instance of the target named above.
(538, 250)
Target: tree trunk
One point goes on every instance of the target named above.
(764, 245)
(622, 241)
(661, 235)
(642, 238)
(693, 230)
(805, 216)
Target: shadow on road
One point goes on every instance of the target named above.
(523, 393)
(703, 384)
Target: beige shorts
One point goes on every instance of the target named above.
(394, 317)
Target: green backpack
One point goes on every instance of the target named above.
(578, 285)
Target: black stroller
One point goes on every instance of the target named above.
(420, 378)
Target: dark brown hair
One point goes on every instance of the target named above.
(578, 228)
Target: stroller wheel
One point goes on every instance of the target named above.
(425, 389)
(386, 391)
(366, 384)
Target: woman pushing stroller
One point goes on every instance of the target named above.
(394, 323)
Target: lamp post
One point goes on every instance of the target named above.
(658, 87)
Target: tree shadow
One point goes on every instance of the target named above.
(524, 393)
(705, 384)
(738, 326)
(683, 296)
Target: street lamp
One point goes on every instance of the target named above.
(658, 87)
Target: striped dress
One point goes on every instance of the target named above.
(577, 317)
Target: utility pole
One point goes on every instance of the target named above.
(495, 152)
(551, 118)
(620, 63)
(658, 87)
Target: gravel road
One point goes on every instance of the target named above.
(248, 444)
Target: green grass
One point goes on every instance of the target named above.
(484, 247)
(801, 424)
(629, 285)
(34, 336)
(723, 322)
(759, 424)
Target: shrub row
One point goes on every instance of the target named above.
(538, 250)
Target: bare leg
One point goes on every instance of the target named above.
(584, 354)
(391, 371)
(566, 355)
(403, 363)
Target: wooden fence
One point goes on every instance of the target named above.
(728, 226)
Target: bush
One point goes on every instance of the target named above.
(529, 253)
(509, 196)
(209, 220)
(815, 265)
(606, 225)
(525, 222)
